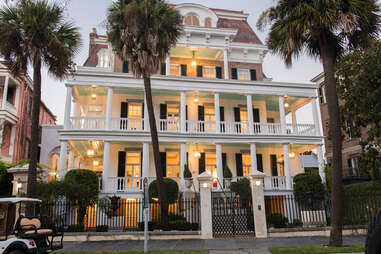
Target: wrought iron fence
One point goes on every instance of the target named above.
(122, 215)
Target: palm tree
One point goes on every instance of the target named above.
(324, 29)
(142, 32)
(35, 33)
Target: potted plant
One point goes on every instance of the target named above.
(187, 177)
(227, 177)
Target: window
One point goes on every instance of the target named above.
(243, 115)
(173, 112)
(173, 164)
(209, 114)
(175, 70)
(208, 22)
(133, 164)
(322, 95)
(209, 71)
(103, 58)
(349, 125)
(135, 110)
(10, 94)
(210, 164)
(246, 164)
(243, 74)
(191, 19)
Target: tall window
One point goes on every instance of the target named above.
(246, 164)
(135, 110)
(173, 114)
(175, 70)
(208, 22)
(191, 19)
(173, 164)
(243, 74)
(210, 164)
(133, 164)
(209, 71)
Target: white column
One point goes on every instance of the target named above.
(220, 170)
(62, 168)
(183, 112)
(282, 115)
(253, 157)
(321, 163)
(168, 65)
(109, 108)
(146, 116)
(217, 112)
(287, 171)
(226, 63)
(12, 144)
(69, 91)
(5, 92)
(17, 99)
(106, 166)
(183, 162)
(250, 117)
(145, 165)
(71, 160)
(205, 181)
(315, 113)
(258, 197)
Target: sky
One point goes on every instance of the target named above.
(88, 14)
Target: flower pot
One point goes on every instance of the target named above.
(228, 183)
(188, 183)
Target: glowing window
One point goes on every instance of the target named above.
(175, 69)
(243, 74)
(209, 71)
(191, 19)
(243, 115)
(210, 164)
(246, 164)
(208, 22)
(135, 110)
(173, 164)
(133, 164)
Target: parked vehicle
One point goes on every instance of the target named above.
(20, 234)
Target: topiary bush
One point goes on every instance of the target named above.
(308, 188)
(50, 191)
(187, 173)
(242, 188)
(276, 220)
(227, 172)
(171, 188)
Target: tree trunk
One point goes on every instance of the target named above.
(156, 152)
(328, 59)
(35, 133)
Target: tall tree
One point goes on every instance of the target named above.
(323, 29)
(360, 91)
(35, 33)
(142, 33)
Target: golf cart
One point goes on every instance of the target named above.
(20, 234)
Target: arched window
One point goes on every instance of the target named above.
(191, 19)
(208, 22)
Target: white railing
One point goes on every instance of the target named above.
(195, 126)
(165, 125)
(235, 127)
(125, 184)
(127, 124)
(267, 128)
(9, 106)
(87, 123)
(275, 183)
(301, 129)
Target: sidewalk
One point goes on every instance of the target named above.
(218, 246)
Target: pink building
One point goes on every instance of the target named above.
(15, 116)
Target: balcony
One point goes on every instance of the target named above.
(9, 107)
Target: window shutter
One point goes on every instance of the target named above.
(163, 159)
(121, 164)
(222, 119)
(259, 163)
(219, 72)
(224, 160)
(124, 110)
(163, 111)
(188, 159)
(201, 114)
(201, 163)
(234, 73)
(274, 166)
(143, 114)
(238, 163)
(183, 69)
(199, 71)
(186, 117)
(253, 74)
(256, 115)
(141, 163)
(125, 66)
(237, 115)
(163, 69)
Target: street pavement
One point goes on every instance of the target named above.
(217, 246)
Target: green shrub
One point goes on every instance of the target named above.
(276, 220)
(362, 188)
(171, 188)
(75, 228)
(295, 224)
(308, 188)
(242, 188)
(50, 191)
(5, 180)
(187, 173)
(227, 172)
(101, 228)
(175, 225)
(173, 217)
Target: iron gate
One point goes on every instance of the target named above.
(231, 215)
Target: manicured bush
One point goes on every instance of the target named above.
(227, 172)
(75, 228)
(277, 220)
(308, 188)
(50, 191)
(5, 180)
(171, 188)
(242, 188)
(187, 173)
(101, 228)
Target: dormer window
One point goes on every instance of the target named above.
(191, 19)
(208, 22)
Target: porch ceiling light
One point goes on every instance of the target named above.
(291, 155)
(197, 154)
(96, 163)
(90, 152)
(196, 100)
(194, 63)
(93, 95)
(286, 105)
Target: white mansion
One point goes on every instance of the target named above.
(213, 107)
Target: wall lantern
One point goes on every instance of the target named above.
(204, 185)
(258, 183)
(19, 185)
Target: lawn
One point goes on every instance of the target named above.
(138, 252)
(316, 249)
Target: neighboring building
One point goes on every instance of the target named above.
(15, 116)
(213, 108)
(351, 148)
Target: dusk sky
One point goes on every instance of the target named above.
(87, 14)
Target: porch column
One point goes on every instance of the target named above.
(110, 93)
(146, 116)
(145, 165)
(226, 63)
(282, 115)
(183, 112)
(5, 92)
(17, 98)
(183, 162)
(205, 181)
(321, 163)
(294, 123)
(220, 170)
(287, 171)
(253, 157)
(168, 66)
(62, 168)
(106, 166)
(250, 117)
(69, 91)
(258, 197)
(315, 113)
(70, 162)
(12, 144)
(217, 112)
